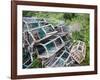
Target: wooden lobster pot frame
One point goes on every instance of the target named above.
(78, 51)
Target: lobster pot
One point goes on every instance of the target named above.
(50, 46)
(78, 51)
(60, 59)
(39, 29)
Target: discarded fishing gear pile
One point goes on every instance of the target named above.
(52, 45)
